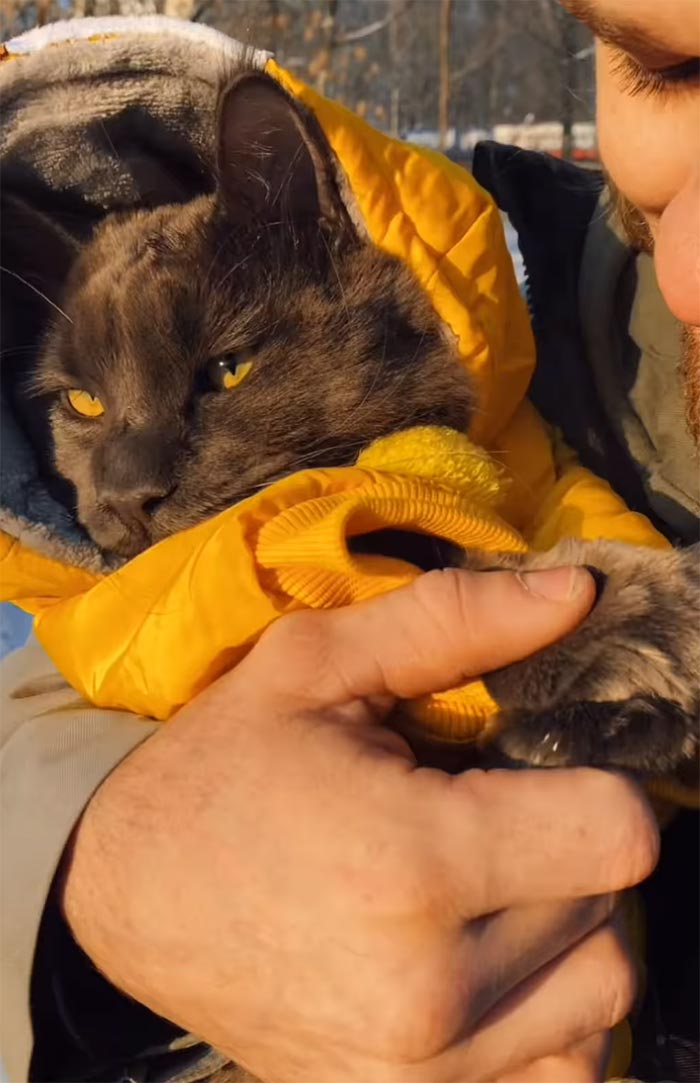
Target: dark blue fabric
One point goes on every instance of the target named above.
(550, 204)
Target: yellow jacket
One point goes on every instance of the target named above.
(149, 636)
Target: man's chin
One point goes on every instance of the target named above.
(690, 374)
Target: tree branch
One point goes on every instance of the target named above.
(362, 32)
(487, 53)
(366, 31)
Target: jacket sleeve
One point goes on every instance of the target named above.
(580, 504)
(55, 752)
(551, 204)
(553, 497)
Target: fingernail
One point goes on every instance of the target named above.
(556, 584)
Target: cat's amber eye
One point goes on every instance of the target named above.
(84, 403)
(229, 371)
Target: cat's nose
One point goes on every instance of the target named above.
(137, 505)
(134, 473)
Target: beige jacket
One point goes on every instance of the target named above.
(56, 750)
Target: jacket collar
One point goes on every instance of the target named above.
(633, 345)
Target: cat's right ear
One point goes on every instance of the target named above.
(275, 164)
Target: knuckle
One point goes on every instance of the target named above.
(643, 849)
(425, 1018)
(297, 642)
(447, 597)
(634, 846)
(445, 585)
(294, 629)
(295, 656)
(621, 982)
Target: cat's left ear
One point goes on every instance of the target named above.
(275, 164)
(35, 246)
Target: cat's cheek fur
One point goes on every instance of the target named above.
(73, 459)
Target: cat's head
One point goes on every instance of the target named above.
(207, 349)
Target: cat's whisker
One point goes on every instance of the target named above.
(314, 459)
(37, 291)
(418, 348)
(335, 272)
(232, 270)
(314, 455)
(287, 175)
(11, 351)
(108, 139)
(219, 249)
(378, 371)
(319, 451)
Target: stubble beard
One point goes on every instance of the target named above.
(639, 237)
(690, 376)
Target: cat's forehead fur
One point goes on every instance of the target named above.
(159, 293)
(136, 305)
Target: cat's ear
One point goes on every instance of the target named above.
(274, 162)
(37, 255)
(37, 252)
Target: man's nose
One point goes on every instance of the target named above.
(677, 252)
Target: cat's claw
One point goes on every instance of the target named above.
(645, 734)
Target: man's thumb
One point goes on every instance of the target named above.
(442, 629)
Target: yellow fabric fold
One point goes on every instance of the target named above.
(149, 636)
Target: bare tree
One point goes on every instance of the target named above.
(560, 38)
(404, 64)
(446, 11)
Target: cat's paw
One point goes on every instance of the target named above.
(622, 689)
(644, 734)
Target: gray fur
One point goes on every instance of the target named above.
(622, 689)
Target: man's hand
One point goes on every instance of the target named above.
(273, 872)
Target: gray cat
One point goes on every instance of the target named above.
(226, 342)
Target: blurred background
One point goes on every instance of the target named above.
(442, 73)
